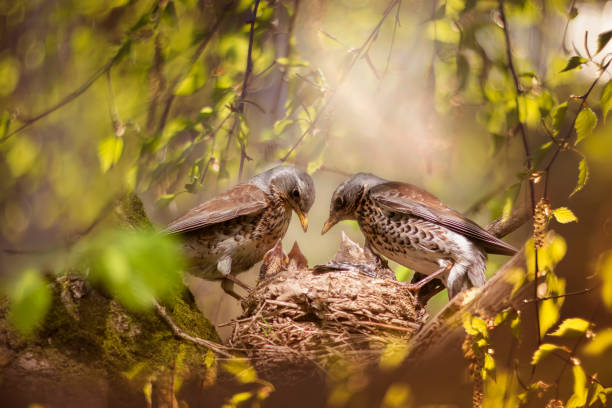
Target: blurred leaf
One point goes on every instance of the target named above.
(602, 40)
(564, 215)
(475, 326)
(549, 315)
(606, 276)
(488, 366)
(291, 62)
(109, 152)
(606, 100)
(30, 299)
(579, 397)
(583, 176)
(544, 350)
(558, 114)
(241, 369)
(393, 355)
(572, 327)
(600, 394)
(600, 343)
(193, 81)
(585, 124)
(515, 326)
(574, 63)
(137, 267)
(240, 397)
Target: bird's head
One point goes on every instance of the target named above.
(347, 196)
(295, 187)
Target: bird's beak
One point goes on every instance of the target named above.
(303, 219)
(331, 221)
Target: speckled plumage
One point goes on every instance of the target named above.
(413, 228)
(231, 232)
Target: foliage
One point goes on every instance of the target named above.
(176, 99)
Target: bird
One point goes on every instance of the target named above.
(231, 232)
(414, 228)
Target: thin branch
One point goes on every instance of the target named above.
(286, 54)
(563, 142)
(569, 18)
(89, 82)
(358, 54)
(178, 332)
(239, 109)
(574, 349)
(527, 155)
(194, 58)
(576, 293)
(395, 25)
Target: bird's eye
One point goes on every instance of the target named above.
(295, 193)
(339, 202)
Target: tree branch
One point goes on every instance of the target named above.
(529, 161)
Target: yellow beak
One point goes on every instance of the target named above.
(303, 219)
(328, 224)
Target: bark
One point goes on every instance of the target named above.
(90, 351)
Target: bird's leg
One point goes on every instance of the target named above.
(444, 269)
(228, 287)
(224, 265)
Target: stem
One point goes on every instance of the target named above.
(528, 157)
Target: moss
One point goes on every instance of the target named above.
(130, 212)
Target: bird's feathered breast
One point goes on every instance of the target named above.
(411, 200)
(243, 199)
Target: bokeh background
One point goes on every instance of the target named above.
(148, 96)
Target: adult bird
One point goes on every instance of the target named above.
(231, 232)
(414, 228)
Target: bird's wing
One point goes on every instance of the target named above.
(408, 199)
(242, 199)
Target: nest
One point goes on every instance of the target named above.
(349, 309)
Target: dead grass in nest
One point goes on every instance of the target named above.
(299, 316)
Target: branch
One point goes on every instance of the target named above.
(563, 142)
(194, 58)
(123, 49)
(527, 152)
(178, 332)
(358, 53)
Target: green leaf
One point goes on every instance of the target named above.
(564, 215)
(583, 176)
(137, 267)
(558, 114)
(475, 326)
(606, 99)
(30, 299)
(109, 152)
(488, 366)
(574, 63)
(579, 397)
(544, 350)
(585, 124)
(602, 40)
(600, 343)
(572, 327)
(605, 269)
(241, 369)
(549, 315)
(515, 326)
(193, 81)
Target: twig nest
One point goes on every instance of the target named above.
(300, 317)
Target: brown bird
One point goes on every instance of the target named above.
(414, 228)
(231, 232)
